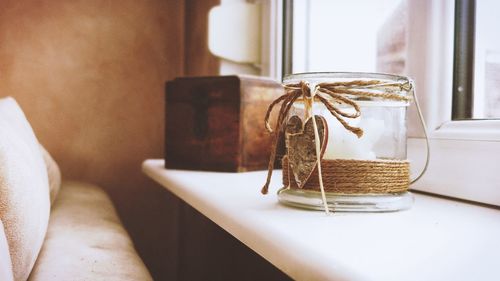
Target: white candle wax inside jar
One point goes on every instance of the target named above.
(343, 144)
(356, 172)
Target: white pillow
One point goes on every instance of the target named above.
(24, 189)
(53, 173)
(5, 263)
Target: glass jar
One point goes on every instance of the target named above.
(365, 173)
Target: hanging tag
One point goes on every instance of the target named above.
(301, 146)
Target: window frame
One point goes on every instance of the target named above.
(472, 176)
(463, 64)
(462, 161)
(272, 42)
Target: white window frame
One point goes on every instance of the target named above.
(272, 34)
(463, 153)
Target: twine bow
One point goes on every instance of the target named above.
(331, 95)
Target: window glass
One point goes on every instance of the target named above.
(371, 36)
(487, 60)
(356, 35)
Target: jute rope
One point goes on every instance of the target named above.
(345, 176)
(331, 95)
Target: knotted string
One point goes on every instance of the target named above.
(331, 95)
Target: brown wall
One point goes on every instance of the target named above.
(197, 58)
(89, 75)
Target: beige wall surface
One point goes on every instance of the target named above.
(90, 76)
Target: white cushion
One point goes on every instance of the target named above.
(86, 240)
(53, 172)
(24, 188)
(5, 263)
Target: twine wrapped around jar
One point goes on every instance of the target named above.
(341, 176)
(347, 176)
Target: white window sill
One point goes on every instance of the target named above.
(437, 239)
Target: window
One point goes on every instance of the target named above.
(415, 38)
(477, 60)
(371, 36)
(361, 35)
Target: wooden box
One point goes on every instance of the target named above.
(217, 123)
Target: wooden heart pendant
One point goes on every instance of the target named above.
(301, 146)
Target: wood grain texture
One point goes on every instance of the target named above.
(256, 141)
(217, 123)
(301, 146)
(202, 123)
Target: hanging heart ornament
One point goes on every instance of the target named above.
(301, 146)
